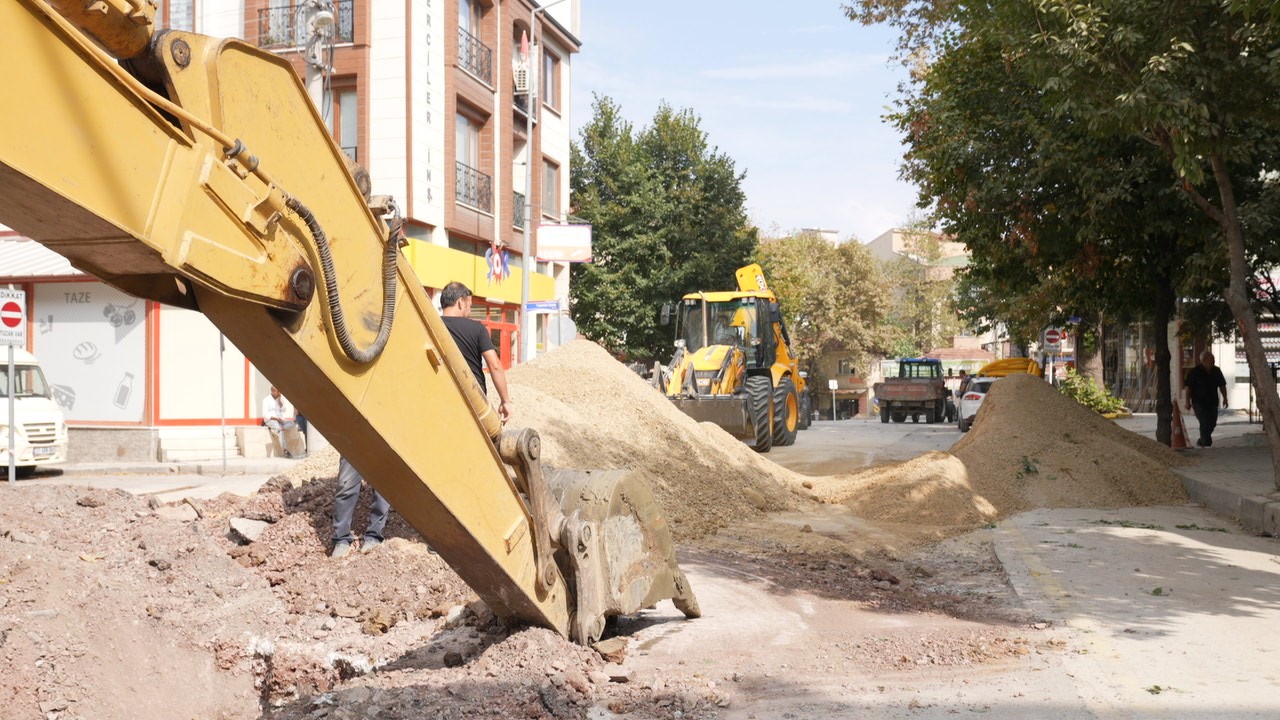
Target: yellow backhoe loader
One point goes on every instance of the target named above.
(196, 172)
(733, 364)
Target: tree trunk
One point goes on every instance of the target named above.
(1090, 364)
(1164, 402)
(1237, 295)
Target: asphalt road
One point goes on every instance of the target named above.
(1165, 612)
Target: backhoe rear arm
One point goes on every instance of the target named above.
(205, 178)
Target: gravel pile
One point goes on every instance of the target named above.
(1029, 447)
(592, 412)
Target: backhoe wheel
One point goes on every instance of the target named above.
(786, 413)
(806, 412)
(759, 406)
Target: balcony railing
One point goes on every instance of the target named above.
(474, 188)
(475, 57)
(283, 27)
(517, 209)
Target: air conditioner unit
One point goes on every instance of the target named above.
(521, 76)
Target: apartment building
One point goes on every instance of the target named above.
(422, 94)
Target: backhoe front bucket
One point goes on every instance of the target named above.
(616, 548)
(730, 412)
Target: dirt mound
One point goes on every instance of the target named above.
(110, 602)
(592, 412)
(1030, 446)
(1031, 443)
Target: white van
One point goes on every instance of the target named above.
(40, 429)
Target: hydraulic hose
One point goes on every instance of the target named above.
(336, 315)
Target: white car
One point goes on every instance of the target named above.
(971, 399)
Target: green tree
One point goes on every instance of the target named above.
(832, 296)
(668, 217)
(1197, 79)
(1059, 219)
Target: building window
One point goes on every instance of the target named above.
(471, 186)
(551, 80)
(283, 23)
(845, 367)
(467, 139)
(466, 245)
(551, 189)
(469, 16)
(179, 15)
(473, 56)
(343, 117)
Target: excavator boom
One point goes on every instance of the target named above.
(197, 173)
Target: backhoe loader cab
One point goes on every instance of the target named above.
(733, 365)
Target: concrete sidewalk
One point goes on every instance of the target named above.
(1235, 477)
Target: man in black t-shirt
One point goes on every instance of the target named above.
(1202, 386)
(473, 340)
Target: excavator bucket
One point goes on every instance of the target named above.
(616, 547)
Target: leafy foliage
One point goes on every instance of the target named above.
(668, 217)
(923, 314)
(1198, 80)
(833, 297)
(1085, 391)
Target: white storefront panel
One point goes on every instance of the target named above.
(92, 341)
(189, 367)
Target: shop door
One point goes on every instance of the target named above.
(500, 321)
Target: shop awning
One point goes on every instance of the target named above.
(22, 258)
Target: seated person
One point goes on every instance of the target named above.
(278, 416)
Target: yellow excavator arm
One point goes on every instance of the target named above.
(196, 172)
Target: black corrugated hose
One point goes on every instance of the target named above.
(367, 355)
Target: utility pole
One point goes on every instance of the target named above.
(317, 21)
(527, 264)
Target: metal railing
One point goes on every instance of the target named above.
(280, 27)
(517, 209)
(472, 187)
(475, 57)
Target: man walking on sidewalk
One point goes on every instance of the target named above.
(1202, 386)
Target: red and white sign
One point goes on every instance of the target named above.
(13, 317)
(1053, 338)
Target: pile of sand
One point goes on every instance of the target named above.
(1030, 446)
(592, 412)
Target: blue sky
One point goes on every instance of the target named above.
(793, 92)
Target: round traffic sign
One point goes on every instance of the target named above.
(11, 314)
(1052, 336)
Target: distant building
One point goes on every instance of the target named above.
(831, 236)
(905, 243)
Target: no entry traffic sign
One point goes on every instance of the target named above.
(1052, 338)
(13, 317)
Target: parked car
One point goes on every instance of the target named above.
(971, 399)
